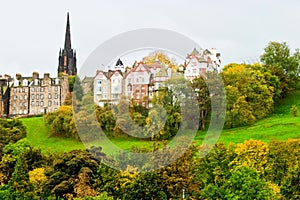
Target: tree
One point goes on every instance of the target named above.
(62, 122)
(249, 92)
(162, 58)
(70, 174)
(203, 98)
(282, 63)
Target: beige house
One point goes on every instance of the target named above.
(35, 95)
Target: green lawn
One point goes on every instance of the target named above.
(280, 125)
(38, 136)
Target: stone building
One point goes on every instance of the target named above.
(136, 84)
(198, 63)
(4, 95)
(108, 87)
(67, 56)
(35, 95)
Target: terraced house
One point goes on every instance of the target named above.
(34, 95)
(142, 82)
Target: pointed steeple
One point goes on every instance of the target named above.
(67, 56)
(68, 35)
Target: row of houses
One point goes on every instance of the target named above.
(31, 95)
(141, 82)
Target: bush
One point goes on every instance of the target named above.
(294, 110)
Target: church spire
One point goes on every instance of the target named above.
(67, 57)
(68, 35)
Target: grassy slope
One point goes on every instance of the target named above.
(38, 136)
(280, 125)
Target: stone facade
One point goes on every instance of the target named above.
(4, 95)
(136, 84)
(34, 95)
(141, 83)
(108, 87)
(198, 63)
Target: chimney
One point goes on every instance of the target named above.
(35, 75)
(18, 76)
(6, 76)
(46, 75)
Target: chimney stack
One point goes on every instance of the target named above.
(46, 75)
(18, 76)
(35, 75)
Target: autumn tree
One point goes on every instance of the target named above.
(284, 64)
(249, 92)
(162, 58)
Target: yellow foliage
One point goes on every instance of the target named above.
(276, 190)
(163, 58)
(252, 153)
(37, 176)
(65, 109)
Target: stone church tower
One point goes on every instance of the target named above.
(67, 56)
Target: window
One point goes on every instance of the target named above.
(49, 103)
(37, 89)
(21, 104)
(37, 96)
(56, 88)
(42, 89)
(15, 97)
(50, 88)
(15, 90)
(55, 96)
(49, 96)
(32, 96)
(37, 103)
(25, 104)
(129, 88)
(42, 103)
(32, 103)
(20, 90)
(32, 89)
(14, 105)
(42, 96)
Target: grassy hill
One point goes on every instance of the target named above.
(280, 125)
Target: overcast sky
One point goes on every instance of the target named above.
(33, 31)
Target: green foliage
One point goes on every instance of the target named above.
(282, 63)
(70, 175)
(71, 81)
(249, 91)
(11, 131)
(294, 110)
(62, 123)
(245, 183)
(202, 92)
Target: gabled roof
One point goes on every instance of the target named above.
(114, 72)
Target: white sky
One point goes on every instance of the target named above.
(33, 31)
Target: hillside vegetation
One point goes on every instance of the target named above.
(280, 125)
